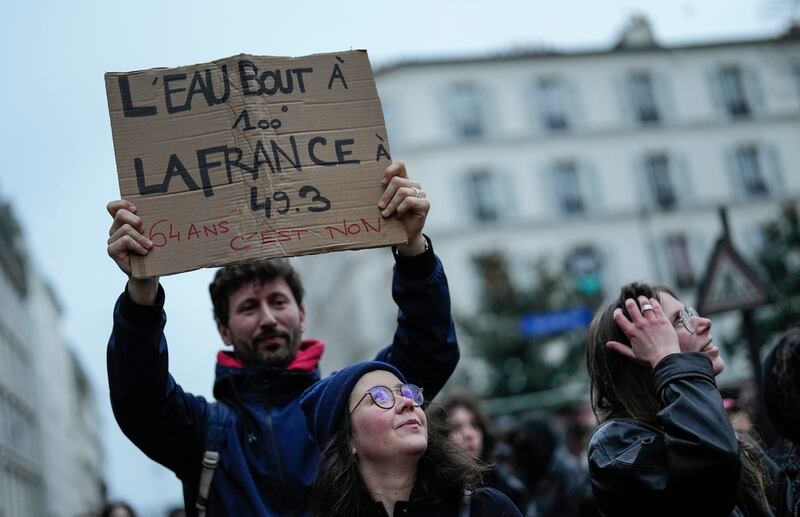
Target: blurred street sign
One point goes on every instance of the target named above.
(729, 283)
(547, 323)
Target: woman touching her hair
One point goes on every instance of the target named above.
(665, 445)
(379, 457)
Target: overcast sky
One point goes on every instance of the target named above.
(59, 168)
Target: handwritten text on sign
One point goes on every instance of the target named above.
(252, 157)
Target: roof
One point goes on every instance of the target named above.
(792, 34)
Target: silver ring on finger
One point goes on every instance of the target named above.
(416, 192)
(646, 307)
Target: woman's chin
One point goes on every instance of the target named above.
(718, 365)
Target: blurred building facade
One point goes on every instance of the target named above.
(51, 459)
(21, 482)
(612, 162)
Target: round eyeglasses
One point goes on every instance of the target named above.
(686, 318)
(384, 397)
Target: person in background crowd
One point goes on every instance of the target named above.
(739, 406)
(557, 485)
(578, 423)
(379, 456)
(781, 391)
(665, 446)
(468, 426)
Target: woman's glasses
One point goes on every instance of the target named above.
(384, 397)
(686, 318)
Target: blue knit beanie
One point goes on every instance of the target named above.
(325, 402)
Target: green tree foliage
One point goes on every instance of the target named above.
(779, 259)
(523, 364)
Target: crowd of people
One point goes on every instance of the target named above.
(371, 439)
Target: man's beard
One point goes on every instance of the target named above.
(283, 354)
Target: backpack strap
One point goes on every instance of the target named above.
(464, 507)
(217, 421)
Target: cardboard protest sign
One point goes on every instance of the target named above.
(251, 157)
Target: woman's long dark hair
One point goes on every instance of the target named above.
(621, 388)
(443, 472)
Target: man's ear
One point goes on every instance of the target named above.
(302, 318)
(224, 333)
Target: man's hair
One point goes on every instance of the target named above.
(229, 279)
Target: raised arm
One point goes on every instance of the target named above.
(424, 347)
(125, 239)
(150, 407)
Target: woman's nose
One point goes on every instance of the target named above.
(402, 403)
(701, 324)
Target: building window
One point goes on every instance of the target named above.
(483, 195)
(659, 180)
(731, 84)
(678, 261)
(465, 110)
(568, 188)
(643, 98)
(553, 106)
(749, 171)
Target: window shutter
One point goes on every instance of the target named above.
(734, 176)
(715, 92)
(533, 105)
(773, 172)
(505, 195)
(662, 91)
(591, 187)
(639, 170)
(681, 175)
(753, 90)
(575, 108)
(445, 103)
(549, 194)
(625, 100)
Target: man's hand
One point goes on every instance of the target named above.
(126, 239)
(405, 200)
(650, 332)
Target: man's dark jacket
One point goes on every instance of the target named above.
(267, 460)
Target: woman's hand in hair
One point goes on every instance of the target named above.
(651, 334)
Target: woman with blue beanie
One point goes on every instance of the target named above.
(379, 457)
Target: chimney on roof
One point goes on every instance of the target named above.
(636, 34)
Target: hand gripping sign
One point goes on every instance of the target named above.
(251, 157)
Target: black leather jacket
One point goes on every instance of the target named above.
(687, 464)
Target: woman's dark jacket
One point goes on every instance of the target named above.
(485, 502)
(687, 464)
